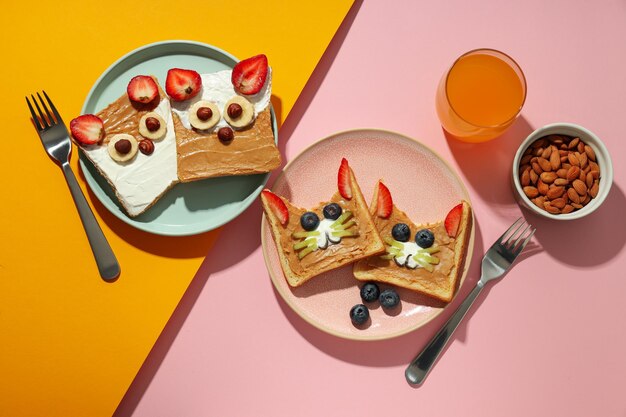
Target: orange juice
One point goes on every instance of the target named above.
(481, 95)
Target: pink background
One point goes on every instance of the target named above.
(548, 339)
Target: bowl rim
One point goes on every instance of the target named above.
(597, 145)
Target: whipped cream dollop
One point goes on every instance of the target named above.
(218, 88)
(326, 237)
(141, 180)
(405, 257)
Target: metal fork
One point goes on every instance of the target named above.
(57, 143)
(496, 262)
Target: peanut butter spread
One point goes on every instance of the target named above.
(335, 255)
(439, 278)
(203, 155)
(123, 115)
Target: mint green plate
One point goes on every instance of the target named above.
(190, 208)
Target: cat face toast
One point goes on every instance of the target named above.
(428, 258)
(222, 131)
(142, 175)
(333, 234)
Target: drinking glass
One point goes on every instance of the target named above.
(481, 95)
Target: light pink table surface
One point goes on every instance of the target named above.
(549, 339)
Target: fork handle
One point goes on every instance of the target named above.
(108, 266)
(419, 368)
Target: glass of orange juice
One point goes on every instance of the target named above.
(481, 95)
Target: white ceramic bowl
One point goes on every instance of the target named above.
(603, 159)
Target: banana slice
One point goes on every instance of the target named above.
(204, 115)
(122, 147)
(238, 112)
(152, 126)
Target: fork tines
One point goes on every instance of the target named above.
(43, 121)
(518, 238)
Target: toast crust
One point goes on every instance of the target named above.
(298, 271)
(443, 281)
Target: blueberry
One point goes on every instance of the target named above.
(359, 314)
(424, 238)
(332, 211)
(389, 298)
(370, 292)
(309, 221)
(401, 232)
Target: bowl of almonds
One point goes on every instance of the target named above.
(562, 171)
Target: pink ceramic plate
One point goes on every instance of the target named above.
(421, 183)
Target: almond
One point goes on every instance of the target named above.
(548, 177)
(538, 152)
(558, 203)
(595, 174)
(546, 153)
(544, 164)
(533, 176)
(531, 192)
(555, 192)
(581, 147)
(539, 201)
(582, 176)
(589, 180)
(537, 168)
(580, 187)
(582, 157)
(566, 165)
(555, 160)
(542, 187)
(567, 209)
(562, 173)
(550, 208)
(593, 191)
(556, 139)
(561, 181)
(586, 200)
(525, 159)
(594, 166)
(573, 160)
(525, 178)
(572, 173)
(590, 153)
(573, 195)
(563, 159)
(576, 205)
(523, 168)
(563, 152)
(573, 143)
(540, 143)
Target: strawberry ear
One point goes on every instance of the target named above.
(453, 220)
(277, 206)
(343, 180)
(384, 204)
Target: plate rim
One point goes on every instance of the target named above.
(119, 212)
(364, 337)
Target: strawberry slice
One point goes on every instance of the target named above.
(343, 180)
(87, 129)
(249, 75)
(384, 204)
(277, 205)
(182, 84)
(453, 219)
(142, 89)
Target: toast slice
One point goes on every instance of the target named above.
(437, 271)
(140, 182)
(304, 255)
(251, 150)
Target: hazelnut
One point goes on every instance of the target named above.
(123, 146)
(153, 124)
(225, 134)
(234, 110)
(204, 113)
(146, 146)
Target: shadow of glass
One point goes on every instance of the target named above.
(487, 165)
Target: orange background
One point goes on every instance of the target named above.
(70, 343)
